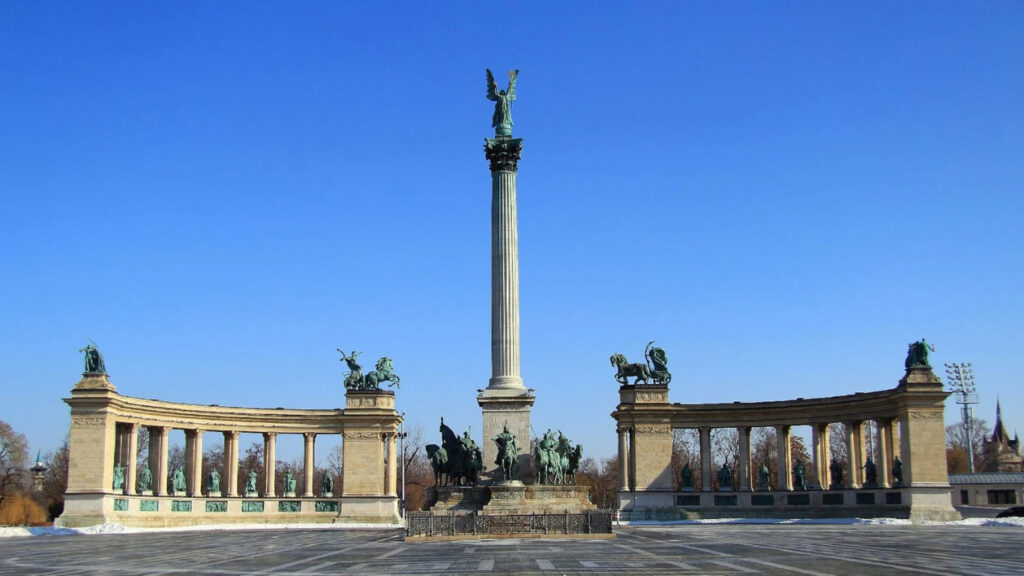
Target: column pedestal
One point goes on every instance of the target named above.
(500, 407)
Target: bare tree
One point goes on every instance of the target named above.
(13, 454)
(685, 450)
(55, 482)
(956, 438)
(837, 444)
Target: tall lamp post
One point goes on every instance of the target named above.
(960, 377)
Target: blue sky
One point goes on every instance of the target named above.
(782, 195)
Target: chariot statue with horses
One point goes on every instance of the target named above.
(655, 371)
(457, 461)
(355, 380)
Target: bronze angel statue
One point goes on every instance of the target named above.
(502, 119)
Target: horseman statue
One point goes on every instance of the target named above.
(355, 380)
(917, 354)
(556, 459)
(457, 461)
(508, 454)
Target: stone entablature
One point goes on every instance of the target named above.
(910, 424)
(104, 435)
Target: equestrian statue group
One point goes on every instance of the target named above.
(355, 380)
(556, 459)
(457, 461)
(655, 371)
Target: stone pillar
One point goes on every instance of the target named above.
(884, 429)
(855, 450)
(888, 443)
(784, 457)
(158, 459)
(632, 459)
(270, 463)
(623, 459)
(505, 400)
(705, 459)
(194, 462)
(133, 457)
(822, 455)
(308, 440)
(392, 485)
(231, 463)
(744, 433)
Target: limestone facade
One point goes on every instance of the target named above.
(912, 411)
(104, 434)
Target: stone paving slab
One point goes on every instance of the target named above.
(701, 549)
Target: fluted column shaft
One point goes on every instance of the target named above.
(705, 459)
(744, 434)
(270, 463)
(504, 282)
(231, 462)
(308, 439)
(623, 460)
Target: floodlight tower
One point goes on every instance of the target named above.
(960, 377)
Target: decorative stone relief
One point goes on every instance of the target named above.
(361, 435)
(289, 506)
(86, 420)
(326, 506)
(149, 505)
(120, 505)
(181, 506)
(252, 506)
(653, 429)
(929, 415)
(217, 506)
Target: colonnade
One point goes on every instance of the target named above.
(909, 421)
(105, 429)
(819, 475)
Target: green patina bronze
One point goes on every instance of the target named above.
(835, 469)
(556, 459)
(289, 483)
(213, 482)
(250, 483)
(119, 478)
(763, 479)
(93, 360)
(145, 482)
(897, 471)
(252, 506)
(917, 354)
(654, 372)
(181, 506)
(326, 506)
(289, 506)
(686, 477)
(217, 506)
(799, 476)
(724, 478)
(149, 505)
(120, 505)
(870, 474)
(502, 118)
(457, 461)
(355, 380)
(508, 453)
(327, 483)
(178, 481)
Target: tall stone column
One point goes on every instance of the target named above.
(194, 463)
(308, 439)
(392, 449)
(133, 456)
(269, 463)
(705, 459)
(884, 430)
(744, 434)
(159, 442)
(231, 463)
(784, 453)
(822, 455)
(855, 451)
(505, 401)
(623, 459)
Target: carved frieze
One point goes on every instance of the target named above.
(86, 420)
(653, 429)
(360, 435)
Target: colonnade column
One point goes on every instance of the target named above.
(392, 485)
(158, 458)
(623, 459)
(884, 452)
(855, 452)
(133, 457)
(784, 455)
(822, 454)
(269, 463)
(632, 459)
(308, 439)
(705, 459)
(744, 433)
(194, 462)
(231, 462)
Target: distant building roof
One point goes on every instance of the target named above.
(988, 478)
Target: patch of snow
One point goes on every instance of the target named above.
(110, 528)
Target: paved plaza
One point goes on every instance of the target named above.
(691, 549)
